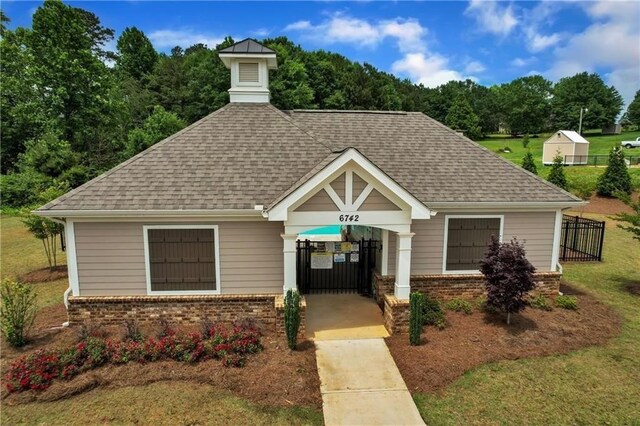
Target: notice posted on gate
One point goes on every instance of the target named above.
(321, 261)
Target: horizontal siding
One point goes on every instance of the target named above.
(339, 185)
(110, 258)
(321, 202)
(534, 230)
(377, 201)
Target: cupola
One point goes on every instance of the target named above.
(250, 63)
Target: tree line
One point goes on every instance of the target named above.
(72, 109)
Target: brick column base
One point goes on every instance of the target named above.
(396, 314)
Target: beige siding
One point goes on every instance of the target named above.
(377, 201)
(338, 185)
(111, 258)
(556, 143)
(582, 149)
(321, 202)
(534, 230)
(358, 186)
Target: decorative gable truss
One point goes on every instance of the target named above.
(350, 190)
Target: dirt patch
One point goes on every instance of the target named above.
(604, 205)
(45, 275)
(274, 377)
(479, 338)
(634, 289)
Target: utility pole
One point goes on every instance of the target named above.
(580, 126)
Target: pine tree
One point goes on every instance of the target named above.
(616, 177)
(529, 164)
(556, 175)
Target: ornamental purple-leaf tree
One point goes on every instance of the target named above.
(509, 276)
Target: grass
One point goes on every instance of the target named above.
(598, 385)
(21, 252)
(156, 403)
(582, 179)
(161, 403)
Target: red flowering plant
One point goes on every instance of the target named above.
(38, 370)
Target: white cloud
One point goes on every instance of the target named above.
(341, 28)
(538, 42)
(523, 62)
(474, 67)
(417, 61)
(429, 70)
(610, 43)
(183, 38)
(540, 16)
(492, 17)
(261, 32)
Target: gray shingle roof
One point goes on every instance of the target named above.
(248, 154)
(247, 45)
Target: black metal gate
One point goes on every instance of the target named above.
(581, 239)
(334, 267)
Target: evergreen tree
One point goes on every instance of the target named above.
(529, 164)
(556, 175)
(616, 177)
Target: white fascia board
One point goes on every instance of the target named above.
(272, 61)
(148, 213)
(279, 212)
(501, 206)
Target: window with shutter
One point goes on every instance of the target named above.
(248, 72)
(182, 259)
(467, 242)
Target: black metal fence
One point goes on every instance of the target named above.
(581, 239)
(595, 160)
(328, 267)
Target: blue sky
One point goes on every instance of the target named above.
(428, 42)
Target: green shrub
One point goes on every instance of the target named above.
(540, 302)
(567, 302)
(483, 306)
(23, 189)
(433, 313)
(416, 321)
(525, 141)
(17, 311)
(616, 177)
(292, 317)
(556, 175)
(528, 163)
(459, 305)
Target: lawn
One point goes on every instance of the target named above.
(582, 179)
(155, 403)
(598, 385)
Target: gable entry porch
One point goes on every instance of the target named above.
(369, 206)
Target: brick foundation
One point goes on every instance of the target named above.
(468, 287)
(267, 309)
(443, 287)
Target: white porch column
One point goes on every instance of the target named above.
(403, 265)
(289, 261)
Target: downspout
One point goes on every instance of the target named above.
(68, 291)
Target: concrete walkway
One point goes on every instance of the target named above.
(343, 316)
(361, 385)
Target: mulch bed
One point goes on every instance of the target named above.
(45, 275)
(480, 338)
(274, 377)
(604, 205)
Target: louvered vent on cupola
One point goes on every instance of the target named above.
(250, 63)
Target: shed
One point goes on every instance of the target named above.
(573, 148)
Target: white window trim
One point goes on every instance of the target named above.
(446, 237)
(147, 263)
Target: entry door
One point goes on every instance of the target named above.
(334, 267)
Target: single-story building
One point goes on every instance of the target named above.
(573, 148)
(206, 222)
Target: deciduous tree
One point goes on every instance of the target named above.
(509, 276)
